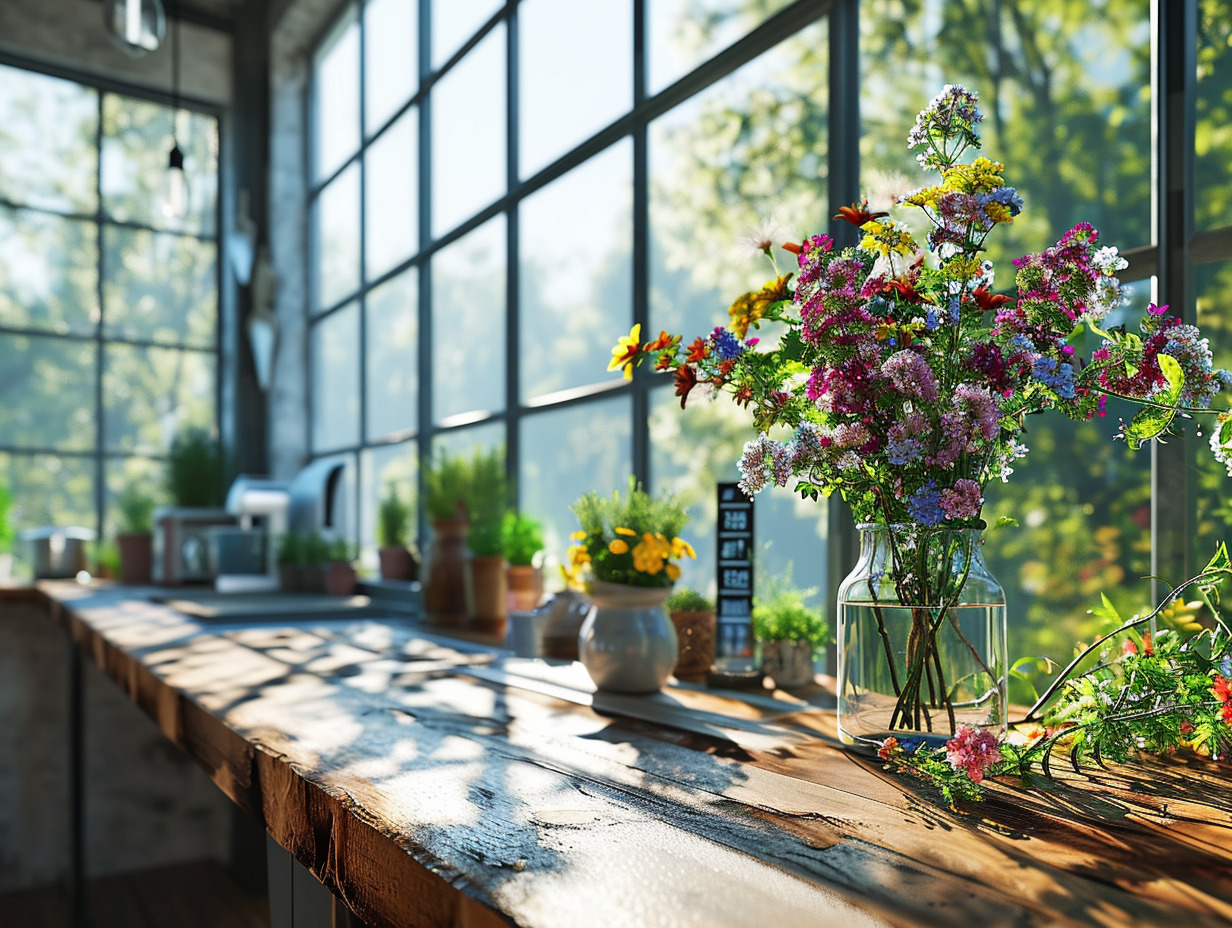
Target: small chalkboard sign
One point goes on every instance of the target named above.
(735, 574)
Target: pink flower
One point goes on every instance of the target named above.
(963, 500)
(1128, 647)
(973, 751)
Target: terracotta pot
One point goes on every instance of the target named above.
(444, 593)
(525, 587)
(789, 662)
(339, 578)
(695, 633)
(486, 593)
(397, 563)
(290, 578)
(136, 557)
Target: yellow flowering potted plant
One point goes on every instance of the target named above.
(625, 556)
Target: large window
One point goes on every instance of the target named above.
(486, 247)
(554, 205)
(108, 306)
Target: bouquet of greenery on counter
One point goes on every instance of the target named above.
(783, 616)
(521, 538)
(1131, 691)
(631, 538)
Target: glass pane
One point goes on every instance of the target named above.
(391, 67)
(464, 441)
(395, 466)
(393, 356)
(335, 380)
(577, 74)
(694, 450)
(337, 239)
(455, 21)
(468, 135)
(1214, 511)
(48, 133)
(47, 490)
(159, 287)
(48, 272)
(568, 452)
(684, 33)
(391, 191)
(150, 394)
(468, 323)
(746, 157)
(48, 385)
(576, 275)
(136, 145)
(335, 97)
(1212, 141)
(1074, 133)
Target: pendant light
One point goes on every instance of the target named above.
(175, 182)
(136, 26)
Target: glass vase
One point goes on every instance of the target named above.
(921, 638)
(627, 643)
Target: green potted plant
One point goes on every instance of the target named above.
(315, 552)
(694, 618)
(196, 476)
(135, 538)
(446, 485)
(791, 634)
(7, 534)
(487, 498)
(290, 562)
(521, 542)
(195, 485)
(392, 529)
(339, 568)
(625, 555)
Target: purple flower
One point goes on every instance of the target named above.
(725, 344)
(963, 500)
(910, 375)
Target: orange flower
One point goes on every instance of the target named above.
(858, 213)
(686, 380)
(698, 350)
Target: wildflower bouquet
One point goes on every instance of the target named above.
(631, 539)
(901, 379)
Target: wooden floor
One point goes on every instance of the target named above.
(195, 895)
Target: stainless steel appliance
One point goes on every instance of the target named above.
(245, 557)
(182, 543)
(57, 553)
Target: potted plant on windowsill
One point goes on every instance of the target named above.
(790, 634)
(393, 525)
(522, 542)
(447, 483)
(195, 481)
(487, 498)
(135, 540)
(694, 618)
(6, 533)
(339, 568)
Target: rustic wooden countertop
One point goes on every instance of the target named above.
(428, 784)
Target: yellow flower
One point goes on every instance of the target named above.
(578, 556)
(681, 548)
(650, 553)
(621, 530)
(673, 572)
(579, 536)
(617, 546)
(625, 353)
(887, 238)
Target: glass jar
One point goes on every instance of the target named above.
(921, 638)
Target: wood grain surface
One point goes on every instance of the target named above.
(430, 782)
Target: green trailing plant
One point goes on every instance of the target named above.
(521, 538)
(785, 617)
(7, 533)
(136, 508)
(196, 470)
(1127, 693)
(631, 538)
(685, 599)
(393, 519)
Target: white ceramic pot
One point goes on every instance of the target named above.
(627, 642)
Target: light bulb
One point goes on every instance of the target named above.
(136, 26)
(175, 186)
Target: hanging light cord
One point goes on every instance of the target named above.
(175, 74)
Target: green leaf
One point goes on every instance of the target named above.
(1153, 420)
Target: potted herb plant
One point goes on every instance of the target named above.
(626, 556)
(522, 541)
(290, 562)
(694, 618)
(393, 526)
(339, 568)
(447, 483)
(135, 539)
(316, 554)
(487, 497)
(790, 634)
